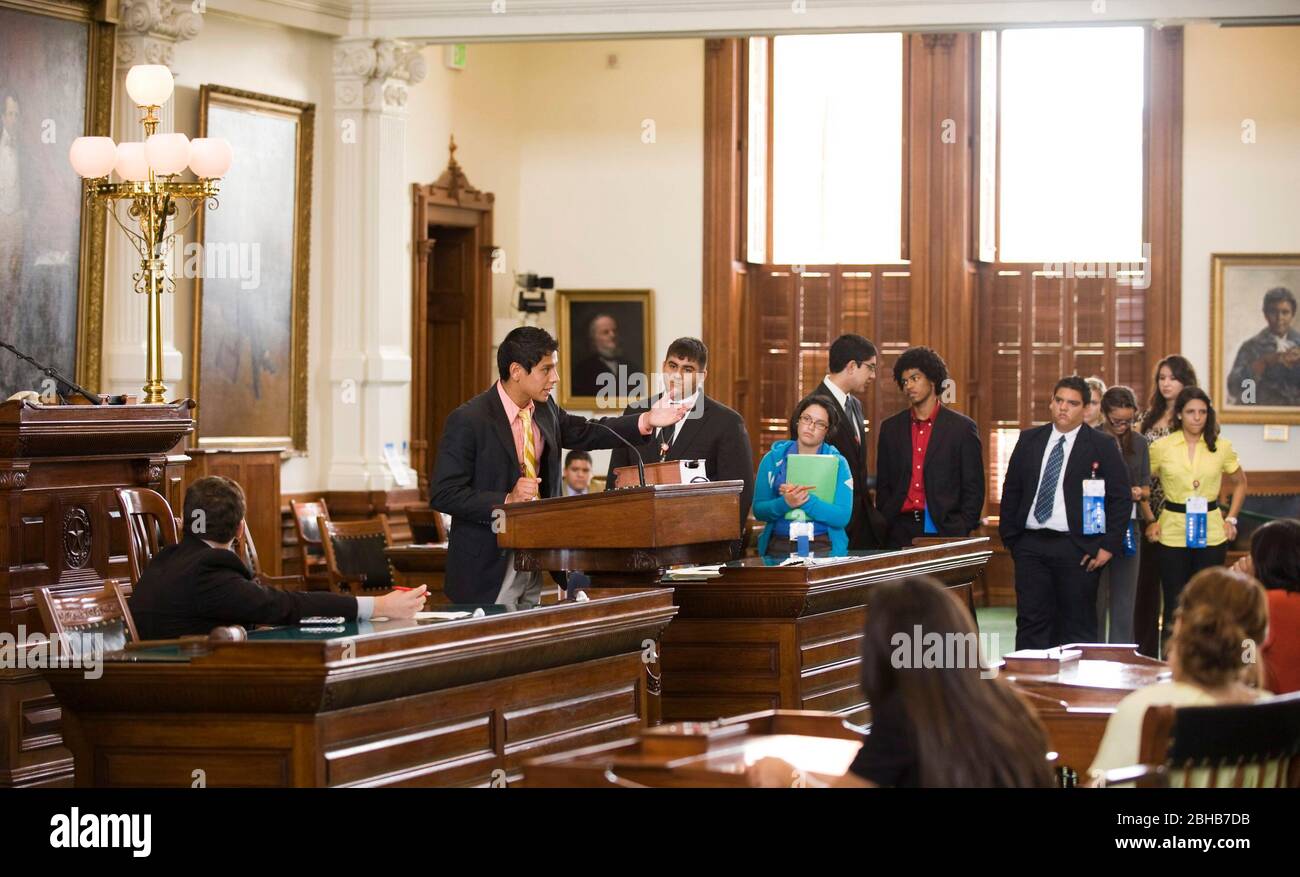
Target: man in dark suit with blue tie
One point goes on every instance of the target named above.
(853, 361)
(1058, 557)
(504, 446)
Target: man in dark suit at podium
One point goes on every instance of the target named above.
(929, 458)
(853, 370)
(711, 432)
(504, 446)
(1058, 563)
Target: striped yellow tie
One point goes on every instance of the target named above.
(530, 452)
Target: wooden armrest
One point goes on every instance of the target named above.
(1144, 776)
(284, 583)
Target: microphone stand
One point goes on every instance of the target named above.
(636, 454)
(51, 372)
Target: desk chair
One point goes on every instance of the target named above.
(1254, 745)
(246, 551)
(354, 554)
(149, 526)
(426, 525)
(74, 619)
(311, 553)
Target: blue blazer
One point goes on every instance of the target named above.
(770, 505)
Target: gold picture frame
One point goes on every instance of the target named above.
(586, 382)
(101, 28)
(1238, 283)
(271, 325)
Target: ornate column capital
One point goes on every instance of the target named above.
(148, 30)
(375, 74)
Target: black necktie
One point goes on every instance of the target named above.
(854, 411)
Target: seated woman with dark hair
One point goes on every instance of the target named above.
(1274, 560)
(1221, 612)
(814, 418)
(932, 726)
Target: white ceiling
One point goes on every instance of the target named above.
(488, 20)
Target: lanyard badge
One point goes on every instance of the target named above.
(1197, 519)
(1094, 504)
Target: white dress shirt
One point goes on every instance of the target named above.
(1058, 520)
(689, 404)
(840, 396)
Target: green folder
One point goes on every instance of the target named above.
(818, 470)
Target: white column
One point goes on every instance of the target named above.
(369, 303)
(147, 34)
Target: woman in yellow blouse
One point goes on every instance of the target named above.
(1191, 462)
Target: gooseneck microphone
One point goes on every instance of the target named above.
(636, 455)
(64, 387)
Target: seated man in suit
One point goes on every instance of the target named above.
(929, 458)
(199, 583)
(853, 370)
(711, 432)
(503, 446)
(1058, 560)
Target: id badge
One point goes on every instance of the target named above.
(1094, 507)
(930, 528)
(1197, 521)
(1130, 539)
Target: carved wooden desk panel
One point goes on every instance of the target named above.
(392, 703)
(62, 529)
(763, 637)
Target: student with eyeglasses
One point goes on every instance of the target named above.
(1119, 577)
(814, 418)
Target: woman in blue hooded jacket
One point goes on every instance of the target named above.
(813, 419)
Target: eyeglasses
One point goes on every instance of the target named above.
(818, 425)
(1120, 424)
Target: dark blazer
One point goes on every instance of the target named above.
(191, 587)
(866, 528)
(1019, 490)
(476, 467)
(712, 432)
(953, 471)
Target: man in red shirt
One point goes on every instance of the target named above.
(929, 458)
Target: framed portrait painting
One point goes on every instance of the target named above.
(1255, 338)
(56, 84)
(606, 344)
(250, 313)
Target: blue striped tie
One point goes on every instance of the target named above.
(1047, 488)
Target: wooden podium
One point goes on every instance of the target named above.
(62, 529)
(635, 530)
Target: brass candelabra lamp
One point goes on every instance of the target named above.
(151, 192)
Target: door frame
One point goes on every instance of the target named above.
(449, 201)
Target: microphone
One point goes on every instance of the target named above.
(636, 454)
(63, 387)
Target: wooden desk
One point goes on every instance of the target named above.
(389, 703)
(415, 565)
(1076, 703)
(61, 528)
(763, 637)
(694, 756)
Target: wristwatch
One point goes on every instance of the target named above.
(1232, 521)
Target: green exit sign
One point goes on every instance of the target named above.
(455, 56)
